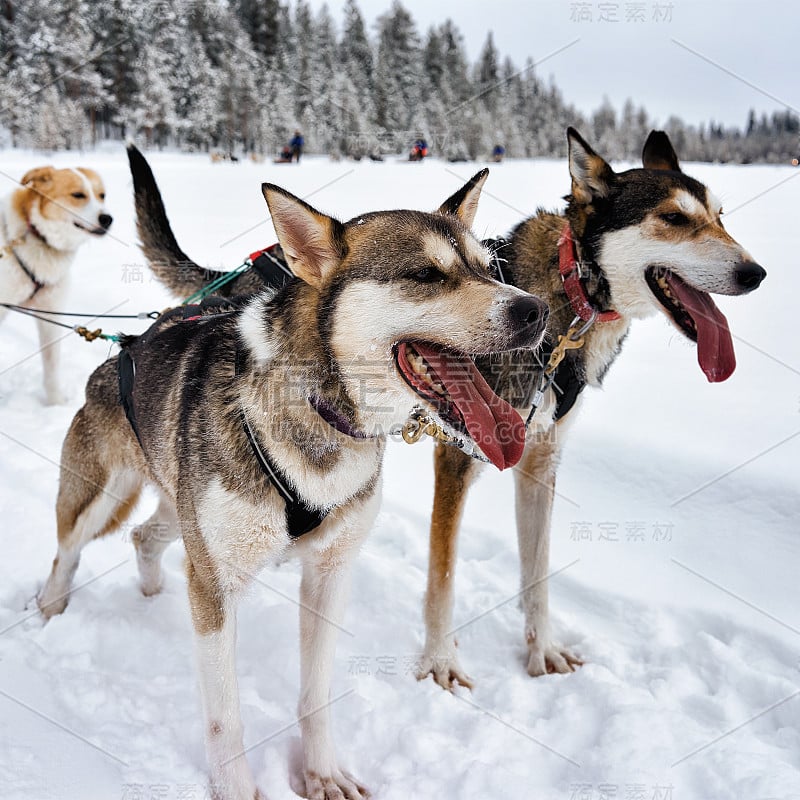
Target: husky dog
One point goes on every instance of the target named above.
(629, 245)
(263, 430)
(42, 224)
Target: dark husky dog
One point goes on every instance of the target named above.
(263, 430)
(630, 244)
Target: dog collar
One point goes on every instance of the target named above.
(37, 233)
(335, 418)
(569, 269)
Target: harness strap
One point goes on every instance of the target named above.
(37, 284)
(9, 248)
(566, 382)
(271, 267)
(126, 372)
(300, 517)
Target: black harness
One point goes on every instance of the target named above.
(37, 284)
(271, 267)
(300, 517)
(567, 383)
(29, 273)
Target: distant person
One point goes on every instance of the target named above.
(498, 153)
(296, 145)
(418, 151)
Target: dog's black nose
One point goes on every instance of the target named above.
(105, 220)
(749, 275)
(528, 315)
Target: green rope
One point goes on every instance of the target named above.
(212, 287)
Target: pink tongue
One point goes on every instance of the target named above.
(714, 344)
(491, 422)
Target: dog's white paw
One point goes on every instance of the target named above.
(444, 668)
(52, 599)
(336, 786)
(55, 397)
(234, 784)
(546, 657)
(151, 580)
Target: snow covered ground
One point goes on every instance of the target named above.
(675, 536)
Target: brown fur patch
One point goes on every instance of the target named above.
(454, 474)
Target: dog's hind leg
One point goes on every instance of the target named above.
(94, 498)
(454, 473)
(535, 477)
(151, 539)
(97, 491)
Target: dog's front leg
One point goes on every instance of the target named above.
(323, 594)
(535, 477)
(49, 345)
(214, 619)
(454, 472)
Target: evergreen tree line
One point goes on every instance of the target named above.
(242, 75)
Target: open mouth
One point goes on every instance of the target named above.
(451, 383)
(95, 231)
(697, 316)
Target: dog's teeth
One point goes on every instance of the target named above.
(420, 367)
(418, 364)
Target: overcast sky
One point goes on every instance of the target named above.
(646, 60)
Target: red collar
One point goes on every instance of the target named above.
(571, 278)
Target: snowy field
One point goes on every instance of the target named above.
(675, 537)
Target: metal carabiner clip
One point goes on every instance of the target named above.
(584, 328)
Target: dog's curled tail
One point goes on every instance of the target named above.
(169, 263)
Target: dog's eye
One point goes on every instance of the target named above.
(427, 275)
(79, 195)
(102, 195)
(675, 218)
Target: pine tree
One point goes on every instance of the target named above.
(302, 80)
(325, 90)
(260, 20)
(399, 77)
(195, 88)
(487, 74)
(355, 53)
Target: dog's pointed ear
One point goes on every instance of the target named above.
(464, 203)
(591, 175)
(312, 242)
(38, 176)
(658, 153)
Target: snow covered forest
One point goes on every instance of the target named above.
(240, 76)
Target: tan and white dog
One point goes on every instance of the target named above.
(42, 225)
